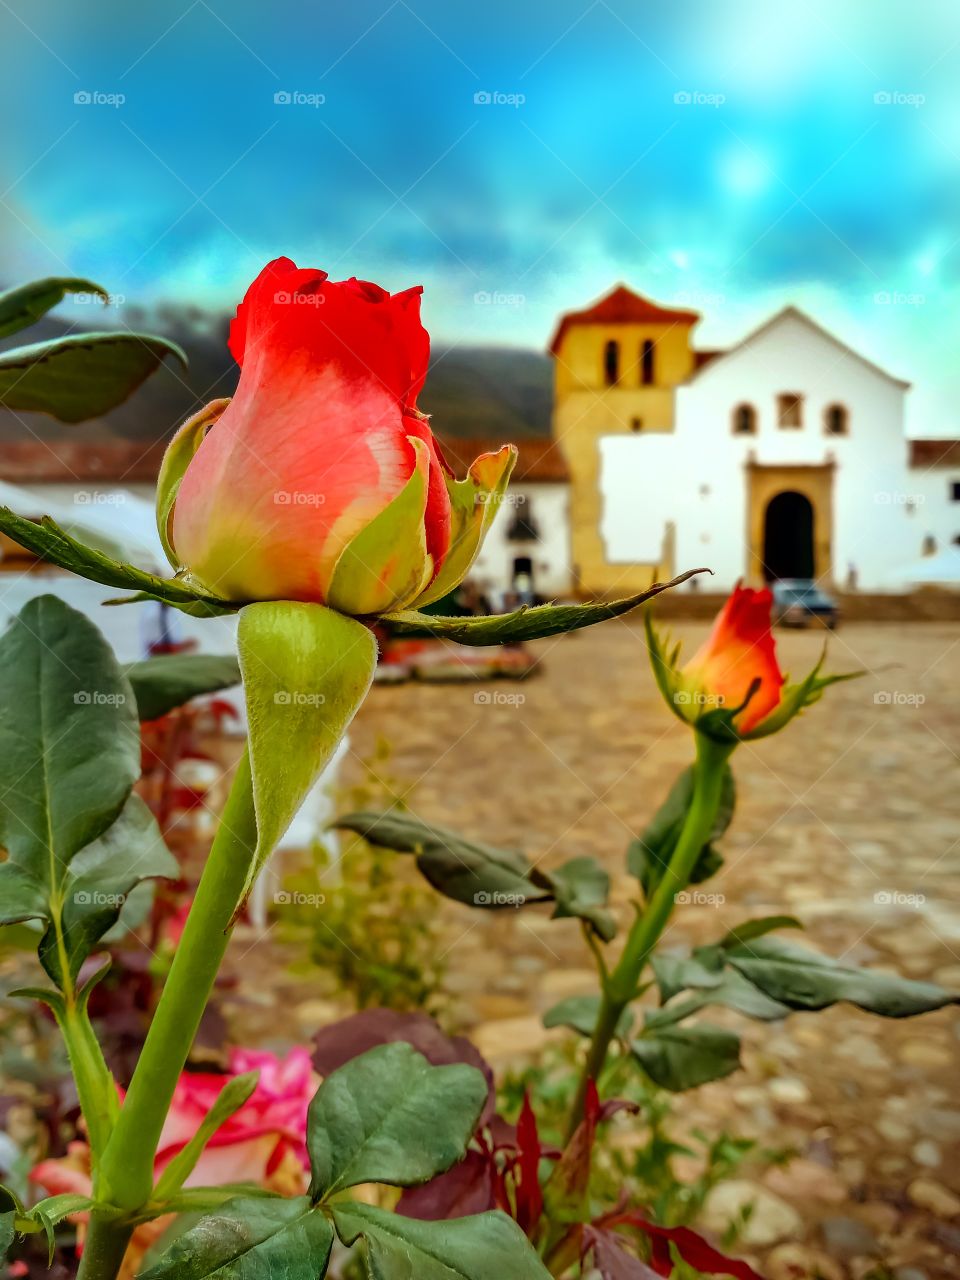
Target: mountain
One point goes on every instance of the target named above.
(470, 391)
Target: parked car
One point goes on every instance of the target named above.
(797, 601)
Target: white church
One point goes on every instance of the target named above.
(784, 456)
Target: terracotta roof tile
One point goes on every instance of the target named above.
(540, 459)
(622, 306)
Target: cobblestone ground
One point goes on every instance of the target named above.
(850, 820)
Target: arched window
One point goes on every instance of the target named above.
(646, 363)
(744, 420)
(611, 363)
(835, 420)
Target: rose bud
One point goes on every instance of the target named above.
(321, 480)
(732, 688)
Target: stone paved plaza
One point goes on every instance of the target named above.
(850, 819)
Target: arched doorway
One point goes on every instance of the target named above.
(788, 537)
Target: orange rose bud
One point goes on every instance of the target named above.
(736, 667)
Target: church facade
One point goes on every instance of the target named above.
(782, 457)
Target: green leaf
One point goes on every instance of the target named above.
(160, 684)
(751, 929)
(525, 623)
(306, 670)
(82, 376)
(47, 1213)
(476, 1248)
(98, 883)
(69, 751)
(649, 855)
(55, 545)
(732, 991)
(7, 1231)
(389, 1116)
(580, 1014)
(580, 888)
(806, 980)
(702, 969)
(23, 306)
(251, 1239)
(678, 1058)
(478, 875)
(229, 1100)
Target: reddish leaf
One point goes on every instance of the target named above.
(566, 1192)
(467, 1188)
(693, 1248)
(342, 1041)
(611, 1257)
(526, 1170)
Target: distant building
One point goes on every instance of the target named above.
(529, 540)
(785, 456)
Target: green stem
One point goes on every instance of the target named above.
(126, 1170)
(620, 988)
(104, 1247)
(96, 1089)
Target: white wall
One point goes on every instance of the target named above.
(548, 504)
(696, 476)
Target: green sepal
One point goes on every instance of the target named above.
(387, 562)
(178, 456)
(306, 670)
(234, 1094)
(474, 502)
(51, 543)
(525, 623)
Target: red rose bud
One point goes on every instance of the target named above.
(736, 667)
(733, 685)
(321, 480)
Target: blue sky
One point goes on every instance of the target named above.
(732, 155)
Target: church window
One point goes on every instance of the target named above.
(611, 363)
(955, 490)
(790, 409)
(835, 420)
(646, 363)
(745, 420)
